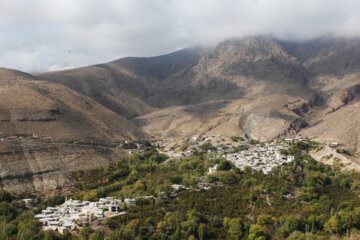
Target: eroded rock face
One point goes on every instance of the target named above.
(44, 168)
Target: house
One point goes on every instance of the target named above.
(112, 208)
(334, 144)
(27, 201)
(290, 158)
(212, 170)
(130, 201)
(177, 186)
(188, 154)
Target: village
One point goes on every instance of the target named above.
(241, 152)
(74, 214)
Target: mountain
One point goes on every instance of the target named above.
(260, 87)
(126, 85)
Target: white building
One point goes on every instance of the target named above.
(73, 213)
(290, 158)
(212, 170)
(177, 186)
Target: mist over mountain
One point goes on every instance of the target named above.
(43, 36)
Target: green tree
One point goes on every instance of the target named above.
(236, 227)
(202, 231)
(8, 211)
(85, 232)
(175, 179)
(5, 196)
(296, 235)
(224, 165)
(264, 220)
(97, 235)
(257, 232)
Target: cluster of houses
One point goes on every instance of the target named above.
(199, 186)
(73, 213)
(259, 158)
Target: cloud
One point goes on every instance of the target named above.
(40, 35)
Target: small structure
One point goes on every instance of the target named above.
(28, 201)
(130, 201)
(212, 170)
(290, 158)
(178, 186)
(334, 144)
(188, 154)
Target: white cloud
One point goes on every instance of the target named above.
(40, 35)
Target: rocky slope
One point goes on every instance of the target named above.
(47, 129)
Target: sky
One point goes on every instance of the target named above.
(48, 35)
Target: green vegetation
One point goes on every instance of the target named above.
(303, 200)
(207, 146)
(129, 145)
(235, 138)
(240, 148)
(254, 142)
(306, 199)
(184, 146)
(343, 151)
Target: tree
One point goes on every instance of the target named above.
(85, 232)
(226, 177)
(257, 232)
(202, 231)
(224, 165)
(97, 235)
(7, 210)
(49, 235)
(176, 179)
(236, 227)
(264, 220)
(297, 235)
(27, 229)
(5, 196)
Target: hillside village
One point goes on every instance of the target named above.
(74, 213)
(242, 153)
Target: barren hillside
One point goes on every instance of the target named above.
(47, 129)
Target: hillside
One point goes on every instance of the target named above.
(47, 129)
(125, 85)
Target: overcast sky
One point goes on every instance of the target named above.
(43, 35)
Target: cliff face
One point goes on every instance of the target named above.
(35, 166)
